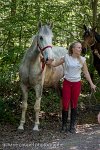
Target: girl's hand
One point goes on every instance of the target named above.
(99, 118)
(93, 87)
(49, 62)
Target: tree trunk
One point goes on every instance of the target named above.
(98, 24)
(13, 7)
(94, 8)
(37, 10)
(10, 35)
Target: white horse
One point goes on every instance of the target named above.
(34, 72)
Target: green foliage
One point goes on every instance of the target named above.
(9, 102)
(19, 19)
(50, 101)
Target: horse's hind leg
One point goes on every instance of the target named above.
(59, 93)
(38, 90)
(24, 106)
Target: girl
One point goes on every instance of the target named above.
(74, 64)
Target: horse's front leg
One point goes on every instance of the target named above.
(38, 90)
(24, 106)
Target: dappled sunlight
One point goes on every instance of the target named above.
(49, 138)
(74, 148)
(84, 95)
(85, 128)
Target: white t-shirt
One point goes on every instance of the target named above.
(73, 68)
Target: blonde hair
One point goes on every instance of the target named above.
(70, 51)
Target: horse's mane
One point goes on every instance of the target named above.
(33, 39)
(30, 51)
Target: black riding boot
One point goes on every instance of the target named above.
(73, 120)
(64, 120)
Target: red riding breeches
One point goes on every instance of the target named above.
(70, 94)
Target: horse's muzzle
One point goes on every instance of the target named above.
(47, 59)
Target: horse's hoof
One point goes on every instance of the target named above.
(35, 128)
(20, 128)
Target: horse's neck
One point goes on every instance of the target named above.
(97, 37)
(32, 53)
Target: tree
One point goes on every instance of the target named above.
(19, 19)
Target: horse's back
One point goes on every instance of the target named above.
(59, 52)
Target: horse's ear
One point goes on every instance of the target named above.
(51, 25)
(84, 27)
(39, 24)
(94, 28)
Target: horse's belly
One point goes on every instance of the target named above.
(53, 76)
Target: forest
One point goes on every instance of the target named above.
(19, 22)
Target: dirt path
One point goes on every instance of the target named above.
(49, 138)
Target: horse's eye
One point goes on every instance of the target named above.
(41, 38)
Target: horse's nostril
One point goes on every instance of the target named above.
(46, 59)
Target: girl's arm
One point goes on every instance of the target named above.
(87, 75)
(55, 63)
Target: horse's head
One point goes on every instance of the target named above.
(44, 41)
(84, 47)
(89, 36)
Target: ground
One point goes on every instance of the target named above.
(49, 137)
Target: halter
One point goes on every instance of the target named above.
(93, 42)
(95, 50)
(42, 49)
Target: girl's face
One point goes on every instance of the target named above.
(77, 49)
